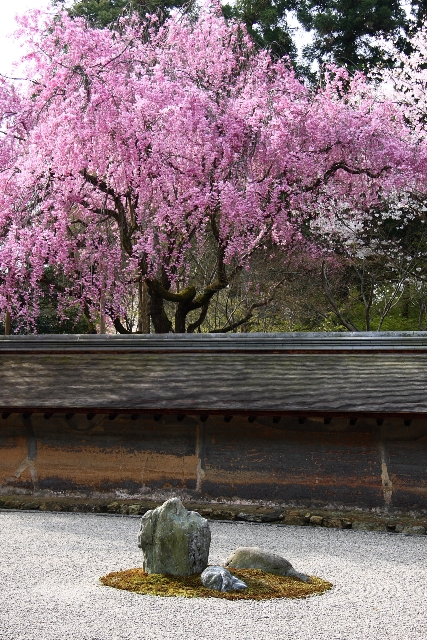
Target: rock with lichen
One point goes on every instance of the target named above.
(255, 558)
(173, 540)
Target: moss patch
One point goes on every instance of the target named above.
(261, 585)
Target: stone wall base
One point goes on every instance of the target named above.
(406, 523)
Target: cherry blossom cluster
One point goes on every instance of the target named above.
(126, 148)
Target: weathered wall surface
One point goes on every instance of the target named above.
(294, 462)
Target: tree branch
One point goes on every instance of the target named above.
(249, 313)
(119, 327)
(195, 325)
(326, 290)
(336, 166)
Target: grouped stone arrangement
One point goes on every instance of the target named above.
(176, 542)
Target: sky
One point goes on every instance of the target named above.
(9, 50)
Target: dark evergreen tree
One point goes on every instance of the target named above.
(345, 31)
(266, 21)
(419, 13)
(102, 13)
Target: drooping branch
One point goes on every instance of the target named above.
(327, 291)
(336, 166)
(119, 327)
(367, 302)
(99, 184)
(250, 312)
(198, 323)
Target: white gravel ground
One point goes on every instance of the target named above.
(49, 589)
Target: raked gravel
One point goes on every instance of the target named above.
(49, 589)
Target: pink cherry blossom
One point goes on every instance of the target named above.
(129, 151)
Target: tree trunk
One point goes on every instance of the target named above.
(161, 322)
(143, 312)
(7, 324)
(180, 317)
(102, 314)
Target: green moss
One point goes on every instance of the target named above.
(261, 585)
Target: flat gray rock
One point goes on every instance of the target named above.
(173, 540)
(221, 579)
(255, 558)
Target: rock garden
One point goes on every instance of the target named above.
(175, 547)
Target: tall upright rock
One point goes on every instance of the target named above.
(173, 540)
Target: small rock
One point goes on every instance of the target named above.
(255, 558)
(316, 521)
(362, 526)
(249, 517)
(369, 526)
(11, 504)
(293, 518)
(54, 506)
(271, 517)
(32, 506)
(259, 517)
(95, 508)
(243, 516)
(221, 579)
(45, 506)
(332, 523)
(113, 507)
(133, 509)
(414, 531)
(173, 540)
(222, 515)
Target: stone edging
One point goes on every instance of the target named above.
(409, 524)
